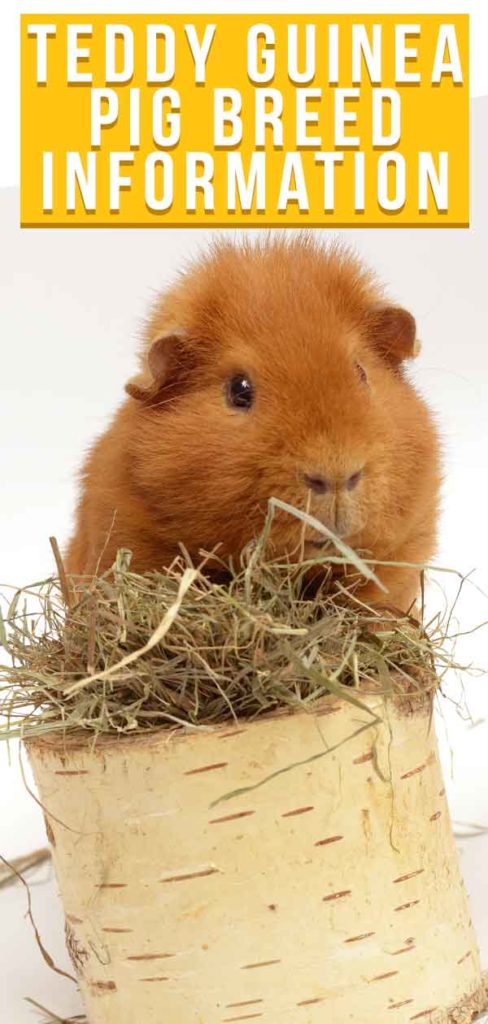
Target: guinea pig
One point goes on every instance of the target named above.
(273, 367)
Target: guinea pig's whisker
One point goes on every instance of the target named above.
(165, 402)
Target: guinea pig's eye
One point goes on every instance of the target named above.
(363, 376)
(239, 391)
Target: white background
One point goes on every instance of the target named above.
(69, 307)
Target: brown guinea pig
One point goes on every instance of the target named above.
(271, 368)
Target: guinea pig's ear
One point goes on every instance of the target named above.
(392, 331)
(166, 367)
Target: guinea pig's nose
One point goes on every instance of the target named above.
(352, 481)
(317, 483)
(320, 484)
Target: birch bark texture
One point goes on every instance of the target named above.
(326, 888)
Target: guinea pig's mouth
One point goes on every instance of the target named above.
(318, 544)
(344, 524)
(321, 544)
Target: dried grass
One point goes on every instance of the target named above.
(49, 1017)
(17, 869)
(178, 649)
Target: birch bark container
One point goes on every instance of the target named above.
(324, 892)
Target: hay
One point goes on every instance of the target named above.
(49, 1017)
(13, 872)
(179, 649)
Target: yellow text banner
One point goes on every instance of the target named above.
(183, 120)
